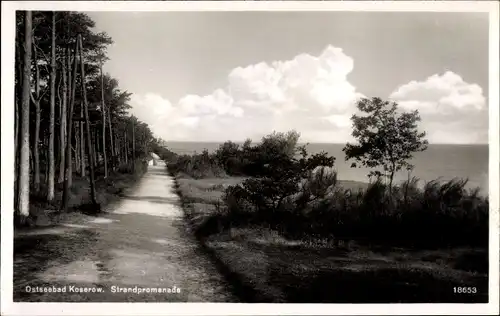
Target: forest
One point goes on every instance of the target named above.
(74, 134)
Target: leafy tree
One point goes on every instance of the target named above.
(280, 143)
(272, 148)
(247, 144)
(387, 138)
(229, 155)
(281, 176)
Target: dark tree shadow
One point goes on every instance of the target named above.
(35, 253)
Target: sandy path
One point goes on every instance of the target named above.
(140, 241)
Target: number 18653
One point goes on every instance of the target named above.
(464, 290)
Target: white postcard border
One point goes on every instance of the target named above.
(7, 174)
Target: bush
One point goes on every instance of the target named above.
(284, 183)
(197, 166)
(231, 159)
(439, 215)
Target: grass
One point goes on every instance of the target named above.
(312, 270)
(306, 273)
(208, 190)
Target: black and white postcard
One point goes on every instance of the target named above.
(337, 157)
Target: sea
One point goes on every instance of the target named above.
(439, 162)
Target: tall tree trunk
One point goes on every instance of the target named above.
(46, 156)
(93, 133)
(17, 109)
(16, 135)
(122, 150)
(63, 129)
(57, 141)
(32, 167)
(82, 146)
(70, 142)
(16, 140)
(77, 148)
(87, 121)
(112, 143)
(118, 152)
(71, 82)
(103, 105)
(36, 140)
(118, 144)
(66, 96)
(24, 163)
(95, 145)
(69, 129)
(126, 148)
(36, 153)
(98, 145)
(51, 174)
(133, 140)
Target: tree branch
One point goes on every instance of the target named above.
(59, 90)
(47, 59)
(32, 97)
(47, 89)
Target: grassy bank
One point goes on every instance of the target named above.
(281, 269)
(108, 190)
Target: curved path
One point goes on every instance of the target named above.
(140, 241)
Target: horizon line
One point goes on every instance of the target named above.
(332, 143)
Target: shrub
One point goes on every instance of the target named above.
(229, 157)
(284, 183)
(440, 214)
(280, 144)
(197, 166)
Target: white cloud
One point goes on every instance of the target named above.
(341, 121)
(190, 121)
(312, 95)
(151, 108)
(452, 110)
(218, 103)
(447, 93)
(304, 93)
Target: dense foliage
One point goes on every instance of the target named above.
(300, 196)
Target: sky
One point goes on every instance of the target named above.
(217, 76)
